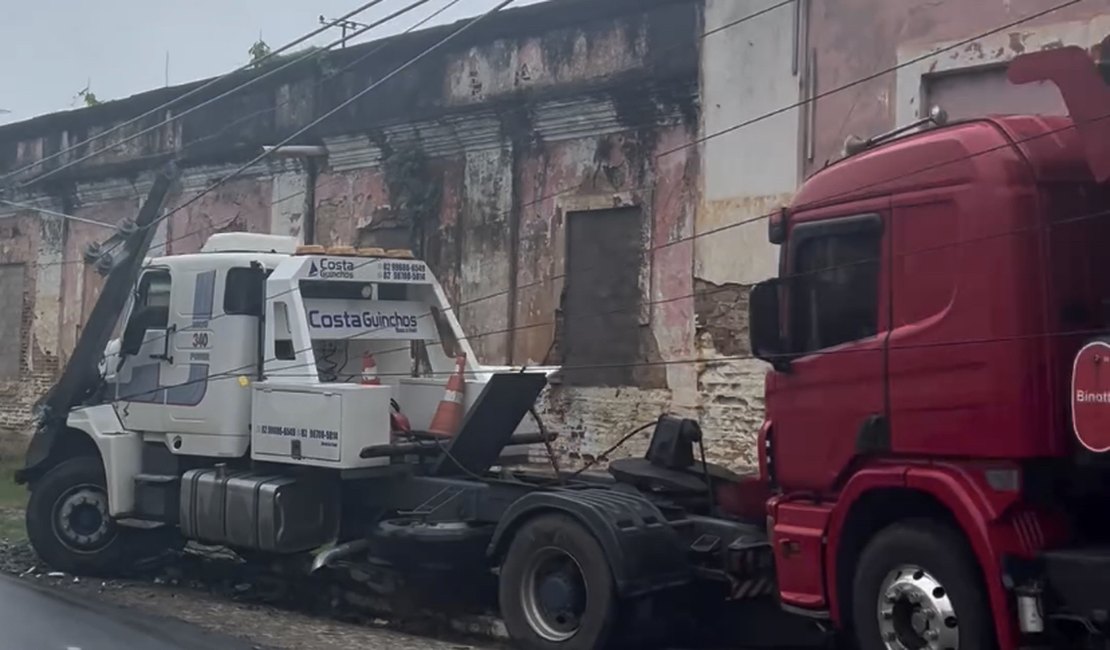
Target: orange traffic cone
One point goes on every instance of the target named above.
(369, 370)
(448, 417)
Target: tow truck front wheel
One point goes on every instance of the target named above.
(68, 522)
(918, 588)
(556, 589)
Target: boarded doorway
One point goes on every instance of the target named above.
(603, 337)
(11, 319)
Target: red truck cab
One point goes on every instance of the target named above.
(933, 296)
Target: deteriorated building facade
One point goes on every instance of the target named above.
(586, 177)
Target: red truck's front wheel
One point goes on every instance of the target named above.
(917, 587)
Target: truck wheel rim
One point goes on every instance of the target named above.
(553, 594)
(915, 612)
(81, 520)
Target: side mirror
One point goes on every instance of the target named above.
(132, 339)
(763, 325)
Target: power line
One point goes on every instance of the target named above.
(871, 77)
(716, 230)
(180, 98)
(1006, 146)
(381, 46)
(932, 166)
(250, 82)
(753, 121)
(60, 215)
(368, 54)
(664, 52)
(342, 105)
(1101, 213)
(724, 131)
(712, 32)
(237, 372)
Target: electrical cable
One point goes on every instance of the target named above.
(164, 244)
(251, 81)
(205, 86)
(381, 45)
(1070, 333)
(1066, 221)
(871, 77)
(932, 166)
(238, 171)
(60, 215)
(301, 193)
(812, 100)
(341, 106)
(734, 128)
(764, 116)
(238, 372)
(548, 447)
(605, 454)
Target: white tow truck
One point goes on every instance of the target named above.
(302, 404)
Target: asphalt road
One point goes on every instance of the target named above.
(38, 618)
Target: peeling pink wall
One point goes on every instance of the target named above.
(347, 201)
(858, 38)
(546, 120)
(237, 206)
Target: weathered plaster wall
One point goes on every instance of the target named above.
(474, 159)
(890, 34)
(749, 168)
(28, 242)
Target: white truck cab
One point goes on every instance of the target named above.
(255, 346)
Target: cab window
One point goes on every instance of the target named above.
(244, 291)
(152, 299)
(834, 283)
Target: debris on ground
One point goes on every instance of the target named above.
(213, 588)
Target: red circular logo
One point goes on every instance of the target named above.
(1090, 396)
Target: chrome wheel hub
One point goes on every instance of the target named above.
(553, 595)
(915, 612)
(81, 519)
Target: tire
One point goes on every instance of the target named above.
(561, 544)
(86, 541)
(927, 562)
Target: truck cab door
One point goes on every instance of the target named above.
(215, 322)
(144, 348)
(828, 405)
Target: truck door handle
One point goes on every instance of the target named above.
(790, 547)
(166, 356)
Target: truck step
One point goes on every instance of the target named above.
(156, 479)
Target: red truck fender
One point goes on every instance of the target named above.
(979, 508)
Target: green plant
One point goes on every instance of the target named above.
(259, 51)
(88, 96)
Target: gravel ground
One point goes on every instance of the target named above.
(211, 589)
(189, 591)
